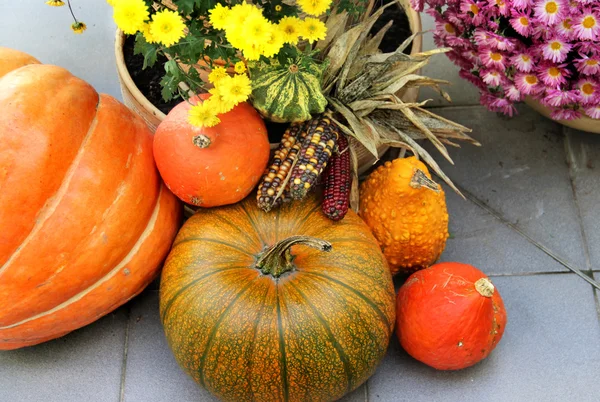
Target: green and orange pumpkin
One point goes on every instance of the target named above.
(85, 221)
(284, 306)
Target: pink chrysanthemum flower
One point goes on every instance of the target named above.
(492, 77)
(472, 56)
(565, 29)
(553, 75)
(459, 60)
(559, 98)
(528, 83)
(556, 50)
(522, 4)
(587, 26)
(492, 59)
(593, 111)
(473, 9)
(521, 22)
(482, 37)
(588, 91)
(417, 4)
(473, 79)
(445, 29)
(550, 11)
(512, 93)
(503, 105)
(523, 62)
(588, 65)
(588, 47)
(565, 114)
(541, 32)
(502, 6)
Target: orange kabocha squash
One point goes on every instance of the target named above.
(84, 219)
(450, 316)
(253, 313)
(212, 166)
(406, 211)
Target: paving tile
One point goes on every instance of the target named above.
(583, 151)
(550, 352)
(44, 32)
(461, 91)
(85, 365)
(149, 357)
(520, 172)
(479, 239)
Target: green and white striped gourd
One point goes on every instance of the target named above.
(288, 92)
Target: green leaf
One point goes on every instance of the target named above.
(187, 6)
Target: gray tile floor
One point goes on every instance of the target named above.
(532, 200)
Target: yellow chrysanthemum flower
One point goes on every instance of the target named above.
(112, 2)
(257, 29)
(130, 15)
(219, 104)
(252, 51)
(147, 34)
(216, 75)
(240, 67)
(55, 3)
(314, 7)
(203, 115)
(235, 89)
(78, 27)
(278, 8)
(218, 16)
(273, 45)
(290, 29)
(312, 29)
(167, 27)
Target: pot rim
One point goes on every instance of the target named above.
(128, 81)
(583, 123)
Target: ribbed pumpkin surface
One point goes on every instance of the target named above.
(313, 334)
(84, 219)
(287, 93)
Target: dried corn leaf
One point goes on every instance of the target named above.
(371, 46)
(430, 136)
(354, 190)
(422, 153)
(395, 84)
(360, 131)
(336, 24)
(365, 26)
(340, 49)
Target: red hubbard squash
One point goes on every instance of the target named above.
(212, 166)
(450, 316)
(256, 309)
(84, 219)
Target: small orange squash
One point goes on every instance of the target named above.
(212, 166)
(449, 316)
(406, 211)
(85, 221)
(254, 314)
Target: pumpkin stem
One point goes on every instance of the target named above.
(420, 180)
(484, 287)
(201, 141)
(277, 259)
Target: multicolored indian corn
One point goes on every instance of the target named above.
(338, 181)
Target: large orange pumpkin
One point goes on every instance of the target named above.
(84, 219)
(212, 166)
(254, 314)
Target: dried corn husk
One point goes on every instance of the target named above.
(360, 84)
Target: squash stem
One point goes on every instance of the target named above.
(277, 259)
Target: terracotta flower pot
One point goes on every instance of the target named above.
(583, 123)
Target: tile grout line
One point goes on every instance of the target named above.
(125, 355)
(537, 244)
(571, 163)
(367, 390)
